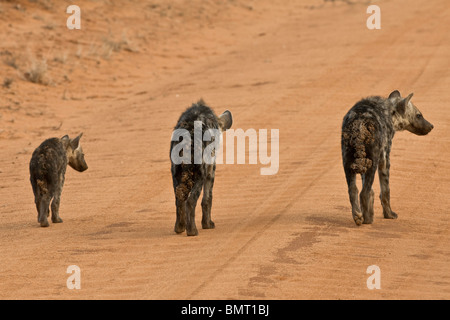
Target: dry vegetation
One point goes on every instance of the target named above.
(63, 62)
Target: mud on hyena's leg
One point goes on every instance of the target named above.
(207, 223)
(353, 195)
(367, 195)
(385, 193)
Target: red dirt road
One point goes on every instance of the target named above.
(125, 78)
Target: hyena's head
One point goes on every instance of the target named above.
(75, 155)
(406, 116)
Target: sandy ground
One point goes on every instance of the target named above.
(124, 79)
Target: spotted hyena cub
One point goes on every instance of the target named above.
(47, 168)
(367, 132)
(191, 173)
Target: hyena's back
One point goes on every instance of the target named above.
(46, 163)
(197, 112)
(362, 136)
(185, 175)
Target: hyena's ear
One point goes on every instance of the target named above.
(65, 141)
(395, 94)
(74, 143)
(225, 120)
(408, 98)
(401, 106)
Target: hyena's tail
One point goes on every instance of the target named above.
(358, 135)
(186, 182)
(186, 174)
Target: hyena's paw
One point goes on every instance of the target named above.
(368, 220)
(359, 219)
(391, 215)
(180, 227)
(44, 224)
(192, 232)
(208, 225)
(57, 220)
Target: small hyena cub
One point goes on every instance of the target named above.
(47, 168)
(189, 176)
(367, 132)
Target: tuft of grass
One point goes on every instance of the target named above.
(49, 26)
(110, 45)
(61, 58)
(79, 51)
(37, 72)
(45, 4)
(11, 61)
(7, 82)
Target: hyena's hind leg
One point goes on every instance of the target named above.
(191, 203)
(180, 201)
(207, 223)
(44, 204)
(37, 197)
(180, 223)
(42, 198)
(385, 194)
(56, 200)
(367, 195)
(353, 195)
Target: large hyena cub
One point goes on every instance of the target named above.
(47, 169)
(189, 175)
(367, 132)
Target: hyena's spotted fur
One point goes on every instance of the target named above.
(189, 179)
(367, 133)
(47, 169)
